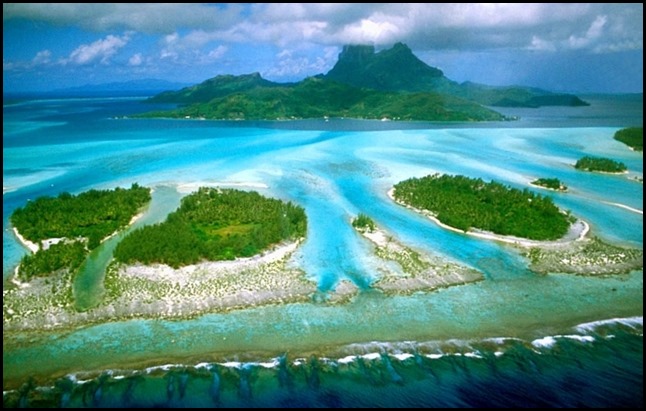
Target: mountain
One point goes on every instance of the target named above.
(395, 69)
(398, 69)
(316, 97)
(219, 86)
(391, 84)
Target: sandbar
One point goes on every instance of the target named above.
(405, 271)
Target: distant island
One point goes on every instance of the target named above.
(550, 183)
(633, 137)
(317, 97)
(466, 203)
(392, 84)
(601, 164)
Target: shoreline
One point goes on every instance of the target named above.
(413, 271)
(31, 246)
(193, 186)
(161, 292)
(557, 190)
(575, 253)
(577, 232)
(34, 248)
(612, 173)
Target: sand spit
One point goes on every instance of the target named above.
(405, 271)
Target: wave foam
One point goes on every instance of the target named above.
(632, 322)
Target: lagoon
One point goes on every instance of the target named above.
(335, 170)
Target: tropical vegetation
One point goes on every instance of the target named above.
(214, 224)
(93, 214)
(318, 98)
(82, 221)
(607, 165)
(363, 222)
(551, 183)
(64, 255)
(632, 137)
(466, 203)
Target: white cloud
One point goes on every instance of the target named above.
(42, 57)
(600, 27)
(296, 63)
(539, 44)
(217, 52)
(135, 60)
(142, 17)
(100, 50)
(592, 34)
(369, 31)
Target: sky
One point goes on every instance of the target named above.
(583, 48)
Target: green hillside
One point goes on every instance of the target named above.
(318, 98)
(391, 83)
(632, 137)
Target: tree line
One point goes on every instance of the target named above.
(84, 220)
(607, 165)
(553, 183)
(465, 203)
(632, 137)
(214, 224)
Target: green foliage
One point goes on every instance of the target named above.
(392, 83)
(632, 137)
(607, 165)
(94, 214)
(318, 98)
(362, 221)
(465, 203)
(218, 86)
(553, 183)
(214, 224)
(58, 256)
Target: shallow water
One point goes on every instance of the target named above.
(335, 170)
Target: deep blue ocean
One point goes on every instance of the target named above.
(516, 339)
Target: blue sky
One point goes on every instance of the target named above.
(564, 47)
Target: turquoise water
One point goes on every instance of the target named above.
(336, 169)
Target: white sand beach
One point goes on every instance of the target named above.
(577, 232)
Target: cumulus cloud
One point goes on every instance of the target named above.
(592, 34)
(217, 52)
(296, 63)
(136, 60)
(538, 26)
(101, 50)
(42, 57)
(142, 17)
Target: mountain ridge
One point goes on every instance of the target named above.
(398, 69)
(393, 84)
